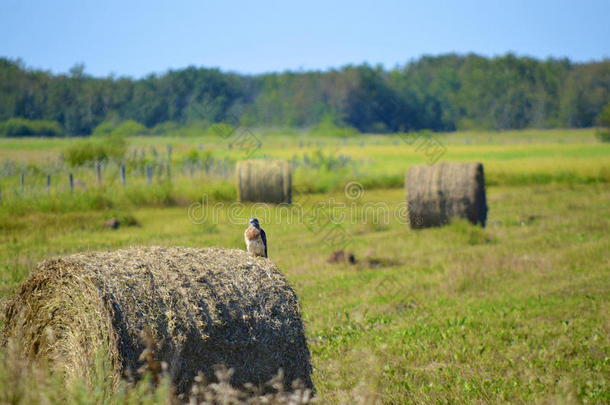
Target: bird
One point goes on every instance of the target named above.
(256, 239)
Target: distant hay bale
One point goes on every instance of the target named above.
(445, 190)
(264, 181)
(202, 307)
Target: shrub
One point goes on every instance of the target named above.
(223, 130)
(165, 128)
(130, 128)
(23, 127)
(332, 126)
(207, 159)
(88, 152)
(326, 161)
(192, 157)
(104, 129)
(603, 135)
(603, 119)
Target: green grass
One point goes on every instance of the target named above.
(324, 164)
(517, 312)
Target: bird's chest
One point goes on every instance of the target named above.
(253, 235)
(254, 241)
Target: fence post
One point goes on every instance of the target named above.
(71, 183)
(169, 172)
(22, 182)
(123, 177)
(169, 152)
(98, 169)
(48, 184)
(148, 175)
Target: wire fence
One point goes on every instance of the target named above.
(140, 167)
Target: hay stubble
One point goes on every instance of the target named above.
(203, 307)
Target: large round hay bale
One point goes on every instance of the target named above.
(202, 307)
(436, 193)
(262, 180)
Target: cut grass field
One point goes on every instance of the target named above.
(517, 312)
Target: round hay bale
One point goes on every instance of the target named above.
(262, 180)
(201, 307)
(439, 192)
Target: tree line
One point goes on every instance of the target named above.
(440, 93)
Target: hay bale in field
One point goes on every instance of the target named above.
(263, 180)
(445, 190)
(202, 307)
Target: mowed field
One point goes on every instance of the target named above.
(517, 312)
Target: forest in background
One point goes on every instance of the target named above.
(441, 93)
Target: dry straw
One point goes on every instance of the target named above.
(203, 307)
(264, 181)
(445, 190)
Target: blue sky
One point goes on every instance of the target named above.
(134, 38)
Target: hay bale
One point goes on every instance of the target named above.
(264, 181)
(202, 307)
(439, 192)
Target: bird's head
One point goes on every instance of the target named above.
(254, 222)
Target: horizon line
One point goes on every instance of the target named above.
(114, 75)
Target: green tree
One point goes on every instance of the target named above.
(603, 120)
(434, 92)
